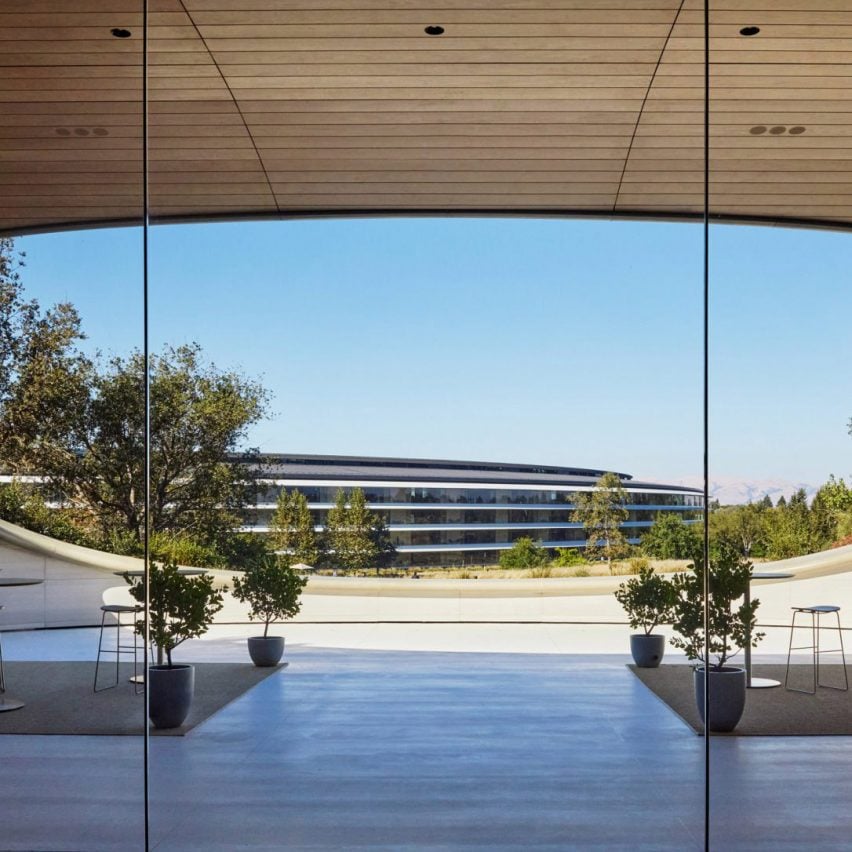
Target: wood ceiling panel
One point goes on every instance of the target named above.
(265, 107)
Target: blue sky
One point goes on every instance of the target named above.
(554, 341)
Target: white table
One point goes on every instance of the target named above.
(7, 703)
(759, 682)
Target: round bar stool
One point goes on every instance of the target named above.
(118, 610)
(815, 612)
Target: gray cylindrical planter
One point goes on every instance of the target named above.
(266, 650)
(727, 697)
(647, 649)
(170, 694)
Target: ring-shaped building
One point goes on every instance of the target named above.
(442, 512)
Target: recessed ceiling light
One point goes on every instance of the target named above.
(777, 131)
(81, 131)
(434, 30)
(120, 32)
(757, 130)
(100, 131)
(798, 130)
(63, 131)
(749, 31)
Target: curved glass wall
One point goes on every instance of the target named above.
(72, 437)
(779, 437)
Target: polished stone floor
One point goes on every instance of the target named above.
(381, 749)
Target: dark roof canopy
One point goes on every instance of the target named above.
(296, 107)
(375, 468)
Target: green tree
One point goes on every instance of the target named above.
(832, 510)
(791, 531)
(272, 588)
(524, 553)
(742, 528)
(179, 607)
(43, 376)
(199, 416)
(384, 546)
(24, 505)
(361, 550)
(292, 528)
(671, 538)
(647, 599)
(567, 557)
(602, 512)
(835, 495)
(355, 537)
(334, 535)
(730, 623)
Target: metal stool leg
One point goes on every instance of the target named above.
(845, 687)
(98, 661)
(138, 683)
(120, 648)
(814, 654)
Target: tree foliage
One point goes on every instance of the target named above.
(199, 414)
(524, 553)
(355, 537)
(729, 621)
(648, 600)
(272, 588)
(567, 557)
(43, 376)
(179, 608)
(742, 528)
(24, 505)
(292, 528)
(671, 538)
(602, 512)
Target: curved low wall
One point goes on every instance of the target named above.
(77, 580)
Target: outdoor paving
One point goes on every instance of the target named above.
(382, 749)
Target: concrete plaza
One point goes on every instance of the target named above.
(381, 737)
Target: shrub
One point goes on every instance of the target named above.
(729, 625)
(179, 607)
(272, 590)
(568, 556)
(524, 553)
(647, 599)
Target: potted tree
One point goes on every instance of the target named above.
(179, 608)
(728, 628)
(648, 600)
(271, 588)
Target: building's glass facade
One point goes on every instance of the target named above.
(434, 520)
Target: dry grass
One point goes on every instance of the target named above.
(593, 569)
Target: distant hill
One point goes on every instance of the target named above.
(730, 490)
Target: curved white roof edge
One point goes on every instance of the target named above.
(44, 545)
(822, 564)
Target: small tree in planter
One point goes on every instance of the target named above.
(648, 600)
(271, 587)
(179, 608)
(730, 627)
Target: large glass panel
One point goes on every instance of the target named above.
(780, 418)
(344, 400)
(464, 433)
(71, 426)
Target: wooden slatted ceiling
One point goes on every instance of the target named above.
(266, 107)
